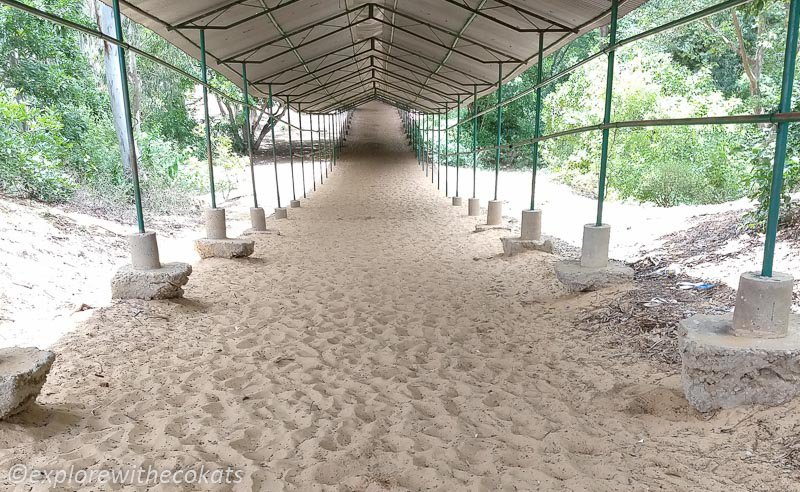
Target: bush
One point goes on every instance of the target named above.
(31, 152)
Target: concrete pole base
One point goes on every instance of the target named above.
(144, 251)
(594, 251)
(281, 213)
(165, 282)
(215, 223)
(458, 201)
(531, 229)
(294, 203)
(763, 305)
(495, 213)
(258, 219)
(474, 207)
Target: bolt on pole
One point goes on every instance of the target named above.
(781, 140)
(612, 41)
(126, 104)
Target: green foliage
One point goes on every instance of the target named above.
(31, 151)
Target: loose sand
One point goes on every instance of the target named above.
(378, 343)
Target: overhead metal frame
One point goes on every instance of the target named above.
(419, 33)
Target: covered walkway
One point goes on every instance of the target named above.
(377, 343)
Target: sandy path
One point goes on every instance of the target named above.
(379, 344)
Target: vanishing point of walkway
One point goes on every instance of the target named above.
(376, 343)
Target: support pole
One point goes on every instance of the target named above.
(209, 152)
(311, 136)
(438, 151)
(458, 141)
(474, 140)
(321, 150)
(785, 105)
(607, 113)
(274, 151)
(537, 130)
(126, 104)
(302, 150)
(446, 154)
(327, 145)
(247, 137)
(291, 150)
(499, 127)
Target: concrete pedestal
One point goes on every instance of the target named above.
(515, 245)
(224, 248)
(494, 216)
(531, 229)
(144, 251)
(474, 207)
(594, 251)
(458, 201)
(165, 282)
(258, 219)
(578, 278)
(722, 370)
(763, 305)
(294, 203)
(281, 213)
(23, 371)
(215, 223)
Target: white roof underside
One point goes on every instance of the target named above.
(330, 54)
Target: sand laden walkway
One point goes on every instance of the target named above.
(376, 344)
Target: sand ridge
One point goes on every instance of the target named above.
(376, 344)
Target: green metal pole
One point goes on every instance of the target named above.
(537, 129)
(607, 114)
(274, 151)
(474, 140)
(334, 142)
(446, 153)
(499, 126)
(321, 150)
(425, 143)
(785, 105)
(438, 151)
(458, 142)
(291, 150)
(247, 136)
(327, 145)
(126, 104)
(313, 169)
(302, 150)
(209, 152)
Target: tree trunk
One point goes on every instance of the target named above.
(105, 22)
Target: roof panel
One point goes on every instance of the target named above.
(421, 48)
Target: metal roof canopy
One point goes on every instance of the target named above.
(329, 54)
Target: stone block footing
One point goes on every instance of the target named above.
(159, 283)
(488, 227)
(516, 245)
(579, 278)
(294, 204)
(281, 213)
(224, 248)
(721, 370)
(474, 207)
(458, 201)
(23, 371)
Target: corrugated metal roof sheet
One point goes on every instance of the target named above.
(324, 54)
